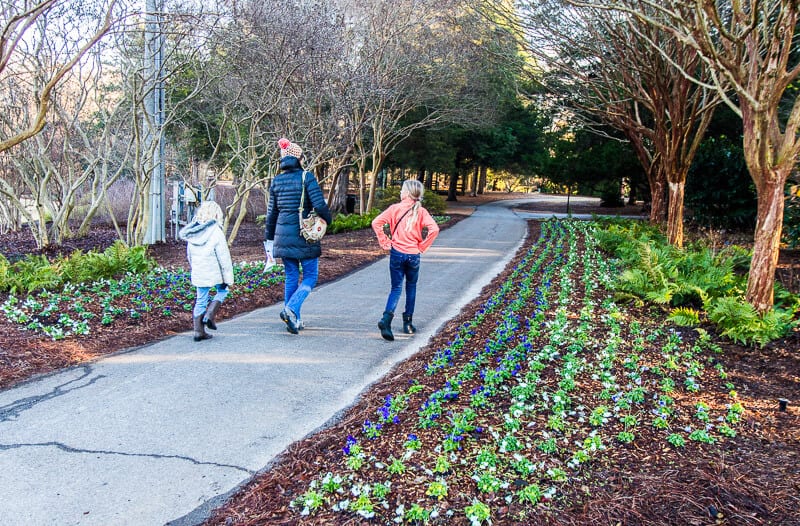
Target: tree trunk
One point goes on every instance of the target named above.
(341, 182)
(658, 205)
(452, 188)
(242, 212)
(362, 194)
(675, 214)
(372, 184)
(332, 190)
(482, 180)
(766, 249)
(473, 182)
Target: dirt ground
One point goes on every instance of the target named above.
(754, 478)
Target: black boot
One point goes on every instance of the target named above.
(407, 327)
(213, 307)
(385, 325)
(200, 329)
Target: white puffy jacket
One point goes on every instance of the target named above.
(208, 254)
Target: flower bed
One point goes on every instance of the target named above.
(543, 385)
(77, 309)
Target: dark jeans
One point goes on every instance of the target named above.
(403, 266)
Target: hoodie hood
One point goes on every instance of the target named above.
(197, 233)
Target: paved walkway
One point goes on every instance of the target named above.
(164, 433)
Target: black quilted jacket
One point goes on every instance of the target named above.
(283, 225)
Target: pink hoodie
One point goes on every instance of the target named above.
(405, 241)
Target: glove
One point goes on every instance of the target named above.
(270, 261)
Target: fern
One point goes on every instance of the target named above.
(137, 260)
(117, 253)
(34, 273)
(662, 296)
(686, 293)
(691, 278)
(684, 317)
(5, 270)
(714, 275)
(351, 222)
(627, 297)
(775, 323)
(741, 322)
(72, 268)
(738, 256)
(634, 281)
(729, 311)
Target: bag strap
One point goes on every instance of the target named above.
(401, 218)
(302, 193)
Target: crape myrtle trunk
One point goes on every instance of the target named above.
(770, 160)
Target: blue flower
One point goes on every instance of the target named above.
(351, 441)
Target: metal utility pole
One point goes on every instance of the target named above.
(154, 120)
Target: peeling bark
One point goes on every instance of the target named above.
(658, 202)
(675, 214)
(766, 249)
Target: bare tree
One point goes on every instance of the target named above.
(266, 79)
(70, 165)
(602, 67)
(50, 65)
(71, 26)
(751, 49)
(187, 29)
(414, 63)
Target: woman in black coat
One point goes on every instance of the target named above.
(283, 239)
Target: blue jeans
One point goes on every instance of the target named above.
(201, 302)
(295, 291)
(403, 266)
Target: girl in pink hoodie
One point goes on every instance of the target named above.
(411, 231)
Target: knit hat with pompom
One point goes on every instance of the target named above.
(289, 148)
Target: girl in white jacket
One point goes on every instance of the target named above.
(210, 262)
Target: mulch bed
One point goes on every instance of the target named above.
(753, 479)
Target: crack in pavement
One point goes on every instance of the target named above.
(15, 408)
(69, 449)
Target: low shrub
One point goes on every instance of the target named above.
(741, 322)
(693, 278)
(36, 272)
(351, 222)
(433, 202)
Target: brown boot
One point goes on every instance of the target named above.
(200, 329)
(213, 307)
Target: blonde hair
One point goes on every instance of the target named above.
(413, 189)
(208, 211)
